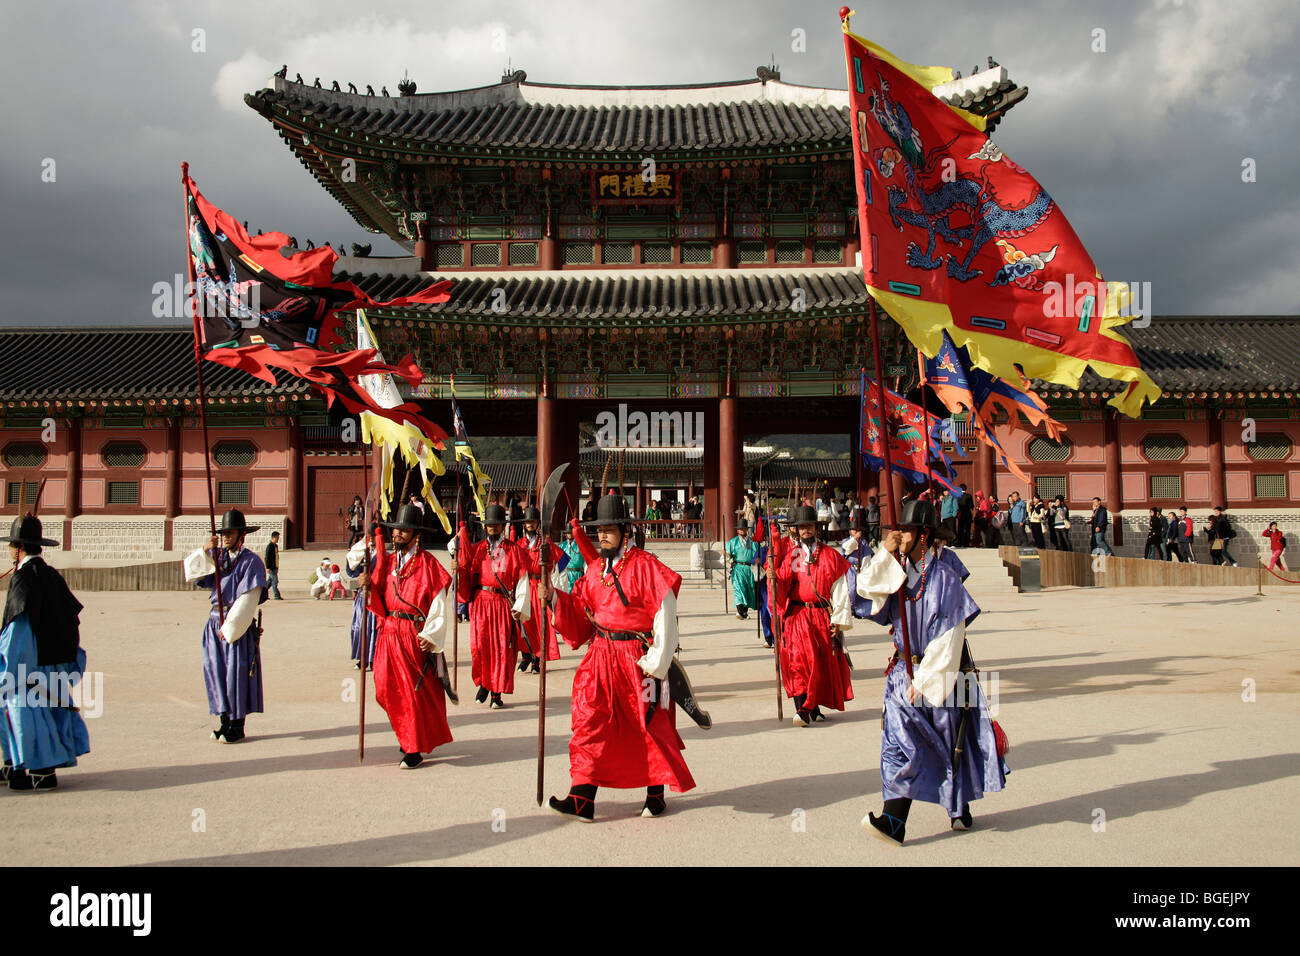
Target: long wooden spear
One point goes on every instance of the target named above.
(193, 300)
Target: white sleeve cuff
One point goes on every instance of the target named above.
(198, 563)
(841, 609)
(880, 579)
(522, 603)
(659, 656)
(240, 614)
(437, 622)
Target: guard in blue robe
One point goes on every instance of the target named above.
(859, 553)
(363, 620)
(764, 608)
(919, 754)
(41, 660)
(232, 655)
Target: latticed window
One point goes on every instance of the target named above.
(616, 253)
(232, 492)
(1049, 486)
(1164, 447)
(1270, 486)
(656, 253)
(828, 250)
(450, 256)
(523, 254)
(696, 253)
(1167, 486)
(485, 254)
(21, 492)
(1046, 450)
(124, 492)
(123, 454)
(24, 454)
(1269, 447)
(789, 250)
(751, 252)
(234, 454)
(579, 253)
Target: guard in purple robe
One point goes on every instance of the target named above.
(859, 553)
(937, 741)
(363, 620)
(232, 656)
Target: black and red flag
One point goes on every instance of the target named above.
(262, 305)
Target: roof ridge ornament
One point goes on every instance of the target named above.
(407, 86)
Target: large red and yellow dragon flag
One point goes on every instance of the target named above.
(956, 237)
(262, 306)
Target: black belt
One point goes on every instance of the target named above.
(402, 615)
(621, 635)
(502, 591)
(795, 603)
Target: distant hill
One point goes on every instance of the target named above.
(808, 446)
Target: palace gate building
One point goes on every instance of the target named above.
(687, 252)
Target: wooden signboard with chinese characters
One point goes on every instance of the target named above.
(613, 187)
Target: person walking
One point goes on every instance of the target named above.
(493, 579)
(1060, 520)
(1211, 531)
(1099, 522)
(1277, 546)
(1186, 536)
(271, 558)
(364, 629)
(743, 553)
(1224, 533)
(41, 658)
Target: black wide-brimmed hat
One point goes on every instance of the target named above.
(27, 530)
(233, 520)
(494, 514)
(742, 524)
(918, 514)
(611, 509)
(805, 514)
(532, 514)
(410, 517)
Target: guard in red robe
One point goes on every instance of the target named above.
(530, 542)
(493, 580)
(813, 600)
(624, 722)
(413, 612)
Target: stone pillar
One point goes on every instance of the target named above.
(295, 530)
(1214, 429)
(731, 475)
(72, 481)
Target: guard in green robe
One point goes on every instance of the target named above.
(573, 570)
(743, 552)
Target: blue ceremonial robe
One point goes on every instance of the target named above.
(917, 739)
(864, 552)
(41, 727)
(233, 672)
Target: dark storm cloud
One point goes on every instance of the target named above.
(1141, 144)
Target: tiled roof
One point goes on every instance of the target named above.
(518, 115)
(1208, 353)
(98, 363)
(783, 471)
(652, 294)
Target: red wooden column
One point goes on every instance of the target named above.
(1114, 484)
(549, 447)
(712, 462)
(72, 480)
(985, 478)
(724, 253)
(568, 442)
(1214, 434)
(295, 530)
(172, 486)
(731, 472)
(424, 249)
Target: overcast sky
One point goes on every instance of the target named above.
(1142, 145)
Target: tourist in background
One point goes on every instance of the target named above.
(1219, 532)
(272, 561)
(1276, 545)
(873, 520)
(965, 517)
(1037, 517)
(1155, 535)
(356, 520)
(1185, 536)
(1060, 520)
(1098, 523)
(1016, 515)
(948, 511)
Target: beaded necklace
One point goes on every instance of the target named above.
(920, 588)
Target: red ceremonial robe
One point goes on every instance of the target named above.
(494, 633)
(613, 744)
(811, 663)
(419, 718)
(533, 626)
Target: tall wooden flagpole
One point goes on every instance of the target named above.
(193, 300)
